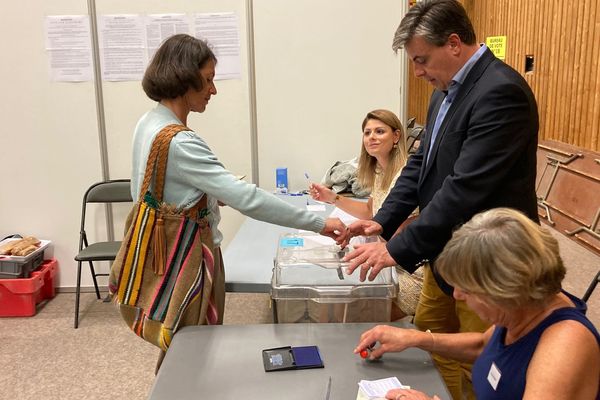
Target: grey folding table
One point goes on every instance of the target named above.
(225, 362)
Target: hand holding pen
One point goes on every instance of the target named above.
(321, 193)
(366, 352)
(392, 339)
(309, 185)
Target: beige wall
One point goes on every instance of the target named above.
(320, 67)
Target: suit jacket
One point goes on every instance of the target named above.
(484, 157)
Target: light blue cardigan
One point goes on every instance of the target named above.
(193, 169)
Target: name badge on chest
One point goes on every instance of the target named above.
(494, 376)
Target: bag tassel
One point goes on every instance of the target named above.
(159, 247)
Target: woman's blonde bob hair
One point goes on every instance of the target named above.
(504, 257)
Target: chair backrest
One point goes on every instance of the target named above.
(113, 191)
(414, 134)
(591, 288)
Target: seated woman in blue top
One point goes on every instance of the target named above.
(541, 346)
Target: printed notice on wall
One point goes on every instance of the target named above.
(221, 32)
(162, 26)
(68, 46)
(128, 41)
(497, 44)
(122, 43)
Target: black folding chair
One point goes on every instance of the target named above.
(114, 191)
(591, 288)
(413, 135)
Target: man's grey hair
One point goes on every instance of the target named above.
(435, 21)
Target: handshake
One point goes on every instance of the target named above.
(338, 231)
(335, 229)
(371, 258)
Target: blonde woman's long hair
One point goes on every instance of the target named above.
(367, 164)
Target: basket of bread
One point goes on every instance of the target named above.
(19, 257)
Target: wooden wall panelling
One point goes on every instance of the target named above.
(593, 117)
(577, 77)
(419, 93)
(544, 70)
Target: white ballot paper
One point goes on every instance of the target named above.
(373, 390)
(343, 216)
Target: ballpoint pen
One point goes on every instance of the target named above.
(328, 392)
(307, 181)
(366, 352)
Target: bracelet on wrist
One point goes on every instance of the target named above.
(432, 340)
(337, 197)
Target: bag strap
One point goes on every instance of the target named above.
(159, 153)
(157, 158)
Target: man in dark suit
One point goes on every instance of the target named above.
(478, 152)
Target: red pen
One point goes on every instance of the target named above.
(364, 353)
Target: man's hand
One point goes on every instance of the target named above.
(360, 228)
(334, 228)
(369, 256)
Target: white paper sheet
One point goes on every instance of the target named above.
(162, 26)
(378, 388)
(343, 216)
(122, 47)
(316, 207)
(69, 49)
(222, 32)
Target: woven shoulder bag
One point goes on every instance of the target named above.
(161, 278)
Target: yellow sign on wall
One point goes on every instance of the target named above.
(497, 44)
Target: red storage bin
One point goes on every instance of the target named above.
(19, 297)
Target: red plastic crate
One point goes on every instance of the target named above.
(19, 297)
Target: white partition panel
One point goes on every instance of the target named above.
(49, 141)
(49, 137)
(224, 125)
(320, 67)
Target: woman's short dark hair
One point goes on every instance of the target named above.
(174, 69)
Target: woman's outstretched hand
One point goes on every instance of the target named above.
(334, 228)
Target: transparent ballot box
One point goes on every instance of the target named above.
(310, 284)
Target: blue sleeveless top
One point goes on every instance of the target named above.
(511, 362)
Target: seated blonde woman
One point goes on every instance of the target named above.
(382, 156)
(541, 346)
